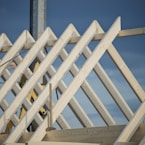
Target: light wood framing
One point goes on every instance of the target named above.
(34, 50)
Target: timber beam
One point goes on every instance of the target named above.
(74, 40)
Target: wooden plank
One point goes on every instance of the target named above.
(132, 32)
(65, 66)
(18, 72)
(18, 45)
(66, 97)
(133, 125)
(89, 91)
(26, 61)
(126, 73)
(75, 135)
(26, 103)
(50, 107)
(15, 144)
(39, 89)
(88, 66)
(5, 43)
(16, 90)
(76, 108)
(123, 103)
(117, 97)
(61, 120)
(127, 143)
(122, 65)
(107, 135)
(59, 143)
(31, 82)
(85, 135)
(99, 36)
(5, 105)
(122, 33)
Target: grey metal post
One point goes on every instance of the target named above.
(37, 17)
(37, 27)
(38, 10)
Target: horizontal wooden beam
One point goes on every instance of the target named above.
(58, 143)
(122, 33)
(106, 135)
(83, 135)
(51, 143)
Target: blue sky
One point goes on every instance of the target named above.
(14, 18)
(14, 15)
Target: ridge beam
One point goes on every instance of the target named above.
(5, 43)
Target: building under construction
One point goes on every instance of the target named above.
(47, 94)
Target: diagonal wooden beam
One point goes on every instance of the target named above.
(126, 73)
(31, 55)
(70, 32)
(76, 108)
(7, 86)
(47, 34)
(5, 43)
(104, 78)
(13, 52)
(54, 81)
(132, 126)
(89, 91)
(88, 66)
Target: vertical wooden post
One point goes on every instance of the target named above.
(51, 115)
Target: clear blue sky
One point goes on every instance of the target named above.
(14, 18)
(14, 15)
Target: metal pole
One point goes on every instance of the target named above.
(38, 10)
(37, 27)
(37, 17)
